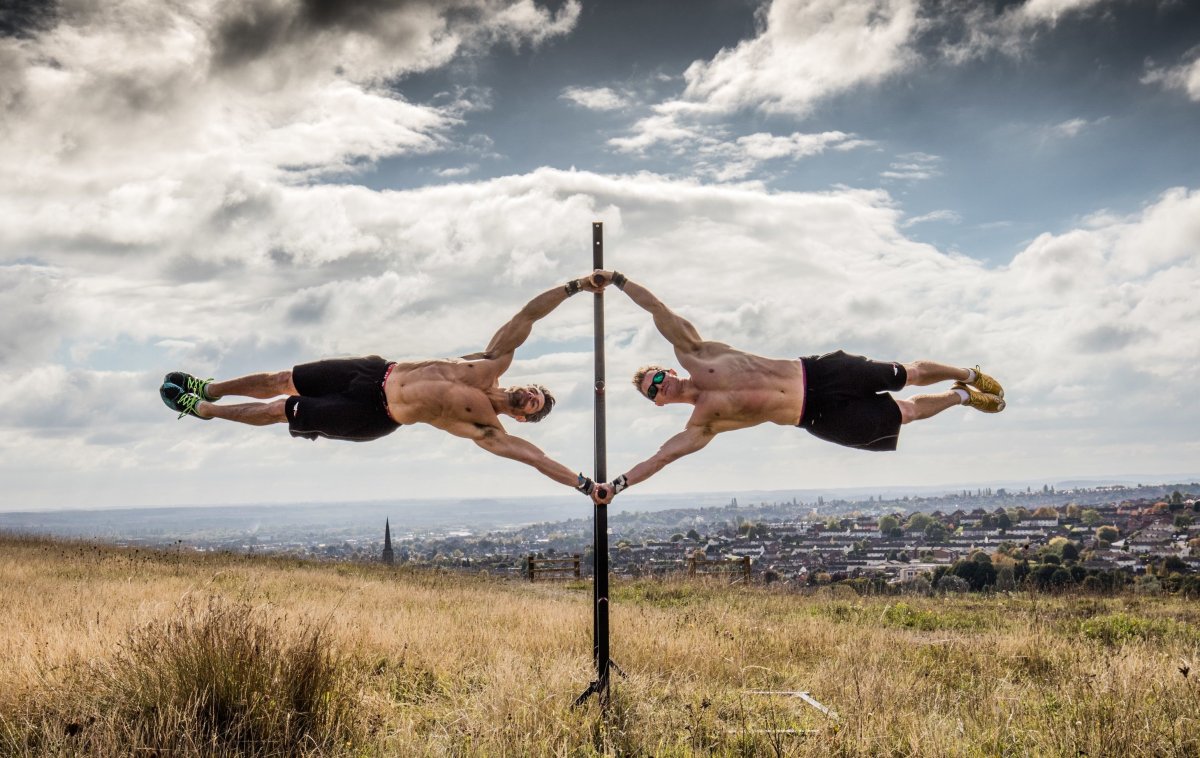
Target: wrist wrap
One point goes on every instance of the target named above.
(572, 287)
(585, 485)
(618, 279)
(618, 484)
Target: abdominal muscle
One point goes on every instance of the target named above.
(766, 391)
(433, 390)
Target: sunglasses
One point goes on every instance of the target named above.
(655, 381)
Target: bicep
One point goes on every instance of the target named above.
(495, 440)
(514, 333)
(477, 433)
(500, 350)
(677, 330)
(685, 337)
(498, 442)
(686, 442)
(508, 336)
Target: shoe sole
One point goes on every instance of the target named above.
(162, 393)
(178, 408)
(977, 388)
(972, 391)
(202, 392)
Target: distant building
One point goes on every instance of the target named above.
(389, 558)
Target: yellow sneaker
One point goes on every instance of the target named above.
(985, 383)
(981, 401)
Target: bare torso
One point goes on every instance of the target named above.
(443, 392)
(737, 390)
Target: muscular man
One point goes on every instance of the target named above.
(837, 397)
(362, 399)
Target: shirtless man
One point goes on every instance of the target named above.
(362, 399)
(837, 397)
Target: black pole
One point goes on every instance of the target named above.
(600, 536)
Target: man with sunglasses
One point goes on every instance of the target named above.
(360, 399)
(841, 398)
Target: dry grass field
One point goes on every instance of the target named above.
(106, 651)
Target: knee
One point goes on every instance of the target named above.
(908, 411)
(277, 409)
(914, 372)
(282, 380)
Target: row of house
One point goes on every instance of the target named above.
(856, 545)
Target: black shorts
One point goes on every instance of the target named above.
(846, 400)
(341, 399)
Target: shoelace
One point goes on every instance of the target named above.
(188, 404)
(197, 386)
(987, 384)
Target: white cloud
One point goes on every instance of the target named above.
(738, 159)
(1071, 128)
(807, 50)
(596, 98)
(1010, 31)
(457, 171)
(36, 311)
(1049, 11)
(163, 209)
(913, 167)
(947, 216)
(763, 147)
(661, 128)
(434, 271)
(1184, 77)
(715, 156)
(125, 120)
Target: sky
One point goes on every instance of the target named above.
(233, 186)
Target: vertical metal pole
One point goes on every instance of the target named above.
(600, 548)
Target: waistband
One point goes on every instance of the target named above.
(804, 384)
(383, 393)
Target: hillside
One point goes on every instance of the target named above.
(110, 651)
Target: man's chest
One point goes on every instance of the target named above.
(727, 409)
(430, 400)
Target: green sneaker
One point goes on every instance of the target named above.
(190, 384)
(985, 383)
(981, 401)
(180, 400)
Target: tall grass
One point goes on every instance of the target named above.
(217, 677)
(107, 651)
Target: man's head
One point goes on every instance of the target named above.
(530, 403)
(652, 380)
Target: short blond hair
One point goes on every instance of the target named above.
(640, 374)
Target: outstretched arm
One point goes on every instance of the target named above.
(499, 442)
(686, 442)
(675, 328)
(514, 333)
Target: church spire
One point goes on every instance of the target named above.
(389, 558)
